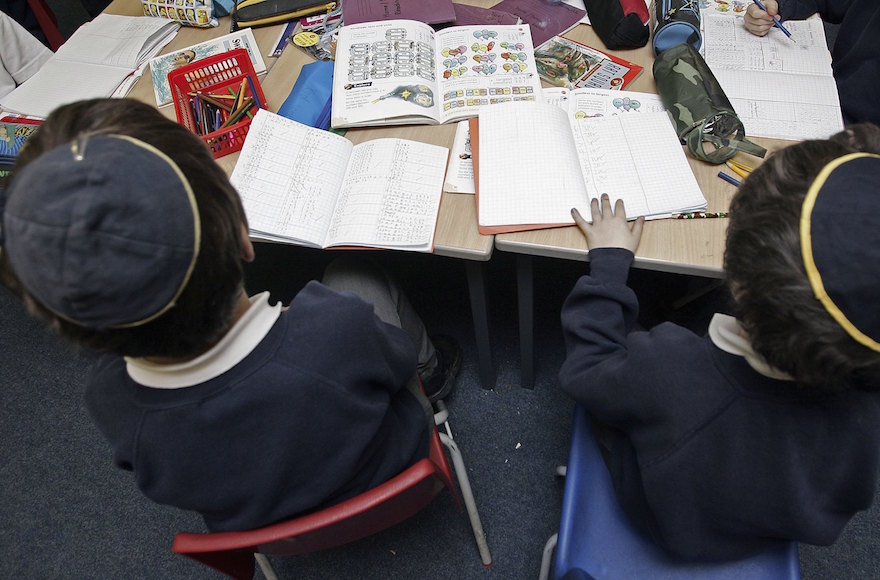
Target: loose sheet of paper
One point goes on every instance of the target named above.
(460, 173)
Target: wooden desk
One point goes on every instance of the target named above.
(456, 234)
(694, 247)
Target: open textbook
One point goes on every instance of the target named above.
(778, 88)
(534, 164)
(93, 62)
(403, 72)
(310, 187)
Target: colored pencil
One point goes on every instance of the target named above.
(728, 178)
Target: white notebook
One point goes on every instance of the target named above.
(534, 165)
(305, 186)
(93, 62)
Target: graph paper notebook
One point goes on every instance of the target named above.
(305, 186)
(779, 88)
(534, 162)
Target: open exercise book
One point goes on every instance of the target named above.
(399, 72)
(535, 161)
(305, 186)
(93, 63)
(779, 88)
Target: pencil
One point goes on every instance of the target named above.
(736, 169)
(238, 113)
(241, 93)
(693, 215)
(741, 165)
(728, 178)
(776, 21)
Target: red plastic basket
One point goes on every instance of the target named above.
(222, 73)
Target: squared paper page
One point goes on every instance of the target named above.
(728, 45)
(637, 158)
(115, 40)
(288, 176)
(778, 89)
(390, 195)
(59, 83)
(529, 170)
(99, 56)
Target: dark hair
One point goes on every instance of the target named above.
(774, 301)
(204, 310)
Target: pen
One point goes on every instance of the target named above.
(692, 215)
(776, 21)
(728, 178)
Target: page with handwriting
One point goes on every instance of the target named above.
(779, 88)
(639, 159)
(288, 176)
(390, 196)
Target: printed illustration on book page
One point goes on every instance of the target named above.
(402, 72)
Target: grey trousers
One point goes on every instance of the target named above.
(362, 277)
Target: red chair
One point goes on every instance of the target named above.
(48, 23)
(233, 553)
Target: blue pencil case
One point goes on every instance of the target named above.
(309, 100)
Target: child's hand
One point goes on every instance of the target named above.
(758, 21)
(609, 228)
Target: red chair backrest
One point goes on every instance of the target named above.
(232, 553)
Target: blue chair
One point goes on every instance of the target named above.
(596, 540)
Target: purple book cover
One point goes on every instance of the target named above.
(427, 11)
(544, 19)
(466, 15)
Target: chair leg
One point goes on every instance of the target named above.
(546, 559)
(265, 566)
(464, 485)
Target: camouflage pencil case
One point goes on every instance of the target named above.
(700, 110)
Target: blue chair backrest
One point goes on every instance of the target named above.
(596, 539)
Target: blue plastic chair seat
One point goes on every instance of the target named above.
(597, 540)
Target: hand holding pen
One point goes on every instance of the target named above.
(761, 16)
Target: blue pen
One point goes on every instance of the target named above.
(728, 178)
(776, 21)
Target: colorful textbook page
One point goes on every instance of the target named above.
(403, 72)
(302, 185)
(566, 63)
